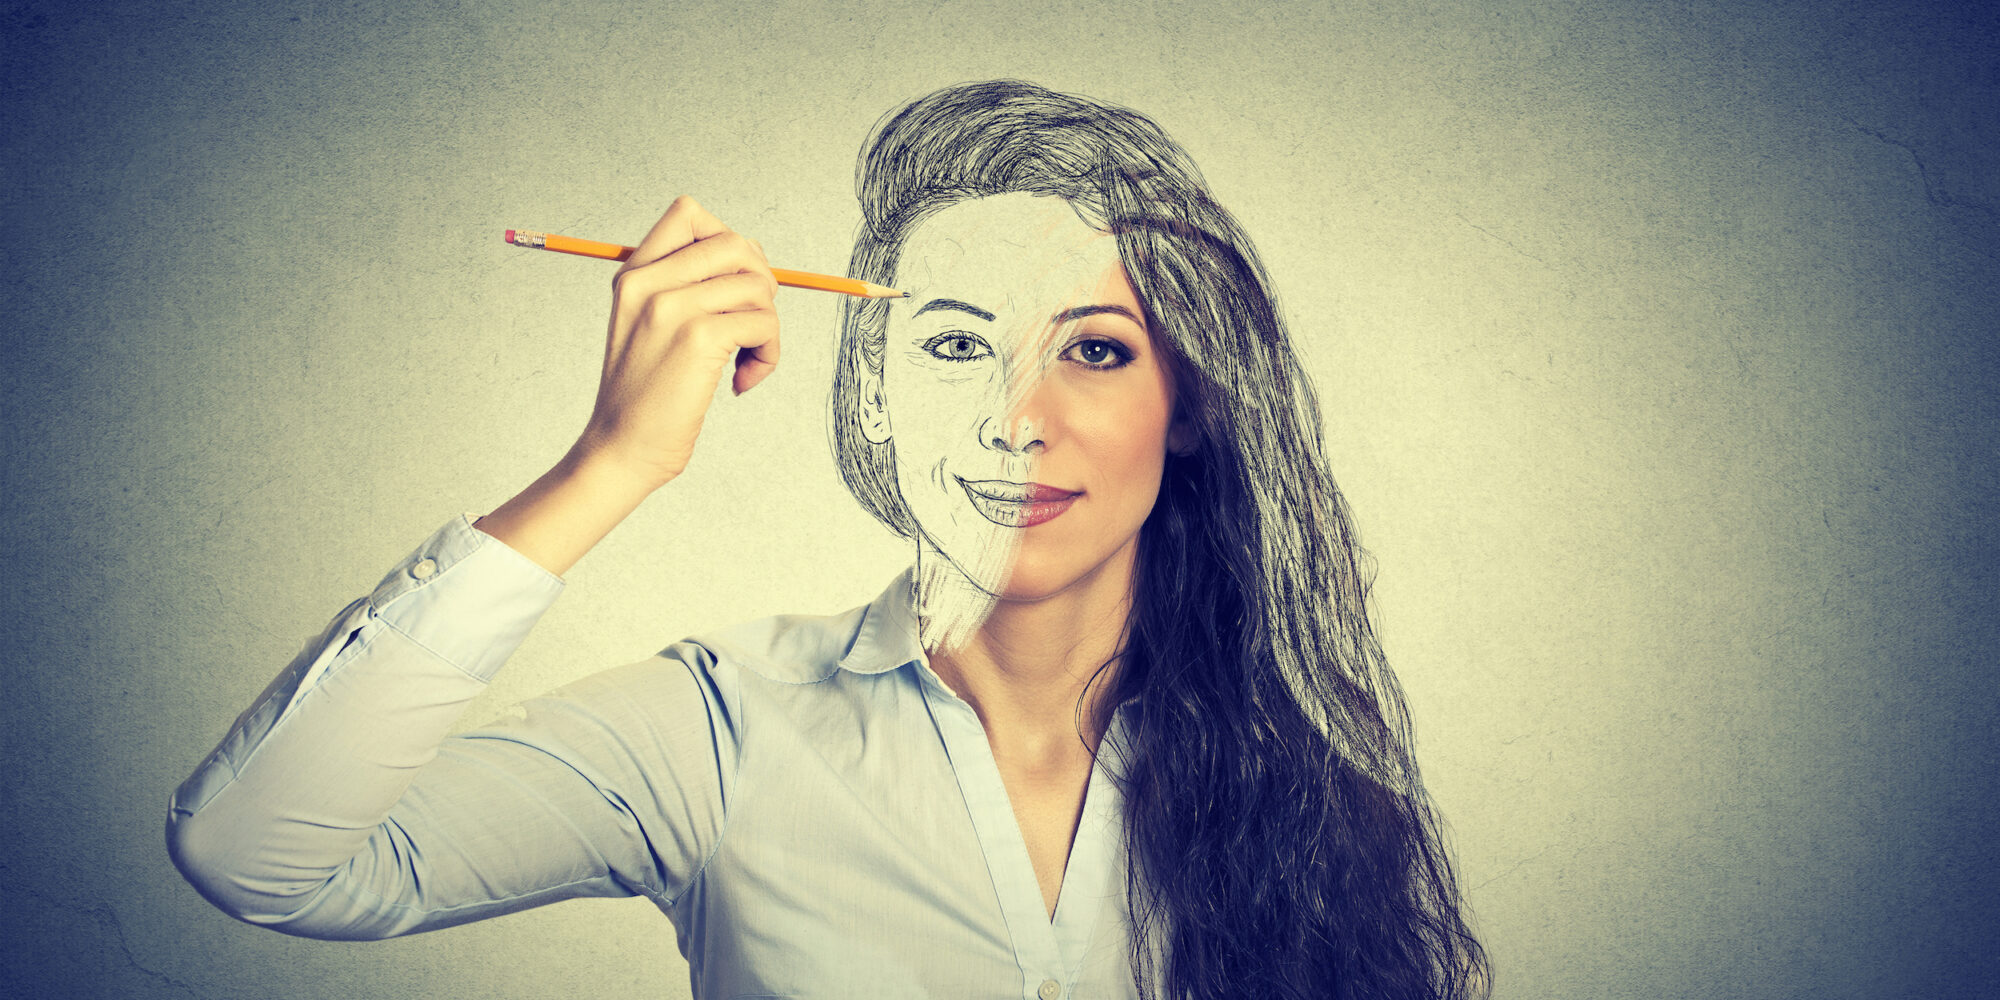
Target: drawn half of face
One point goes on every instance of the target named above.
(1028, 407)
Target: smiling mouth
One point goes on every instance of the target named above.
(1016, 505)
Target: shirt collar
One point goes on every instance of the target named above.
(887, 637)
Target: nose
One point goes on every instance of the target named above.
(1015, 434)
(1015, 415)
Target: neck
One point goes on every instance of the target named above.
(1027, 666)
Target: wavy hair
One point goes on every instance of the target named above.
(1280, 841)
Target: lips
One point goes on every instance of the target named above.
(1006, 491)
(1017, 505)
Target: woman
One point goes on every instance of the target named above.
(1087, 417)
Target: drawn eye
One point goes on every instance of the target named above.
(1102, 354)
(957, 345)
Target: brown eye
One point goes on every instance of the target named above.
(957, 345)
(1102, 354)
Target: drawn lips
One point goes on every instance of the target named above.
(1016, 505)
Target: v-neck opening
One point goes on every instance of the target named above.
(1046, 947)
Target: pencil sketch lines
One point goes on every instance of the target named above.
(905, 420)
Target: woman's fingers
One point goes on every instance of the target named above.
(757, 354)
(726, 293)
(684, 222)
(693, 295)
(709, 257)
(691, 320)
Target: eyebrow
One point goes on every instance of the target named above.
(966, 307)
(1065, 316)
(1081, 311)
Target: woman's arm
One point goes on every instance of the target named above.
(337, 808)
(567, 511)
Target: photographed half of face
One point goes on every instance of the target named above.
(1028, 406)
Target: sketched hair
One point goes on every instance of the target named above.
(1281, 842)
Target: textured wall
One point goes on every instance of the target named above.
(1657, 344)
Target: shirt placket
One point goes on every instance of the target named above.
(1046, 964)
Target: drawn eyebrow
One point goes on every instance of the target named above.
(953, 304)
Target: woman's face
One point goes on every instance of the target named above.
(1029, 408)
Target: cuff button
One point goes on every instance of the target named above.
(424, 569)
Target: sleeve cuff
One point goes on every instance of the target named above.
(465, 596)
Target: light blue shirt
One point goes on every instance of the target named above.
(817, 813)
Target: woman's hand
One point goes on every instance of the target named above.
(694, 295)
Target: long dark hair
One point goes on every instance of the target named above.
(1281, 843)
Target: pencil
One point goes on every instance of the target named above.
(785, 276)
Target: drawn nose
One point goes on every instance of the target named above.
(1013, 421)
(1012, 436)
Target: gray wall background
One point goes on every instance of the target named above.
(1657, 344)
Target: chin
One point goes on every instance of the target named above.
(1038, 577)
(1019, 591)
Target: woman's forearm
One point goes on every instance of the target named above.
(567, 511)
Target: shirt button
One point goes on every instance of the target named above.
(1049, 989)
(424, 569)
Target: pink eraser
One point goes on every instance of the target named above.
(510, 236)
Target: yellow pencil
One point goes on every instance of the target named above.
(613, 251)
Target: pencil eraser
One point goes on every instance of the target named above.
(510, 236)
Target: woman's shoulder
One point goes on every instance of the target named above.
(808, 649)
(795, 649)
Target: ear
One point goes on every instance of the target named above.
(1181, 437)
(874, 408)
